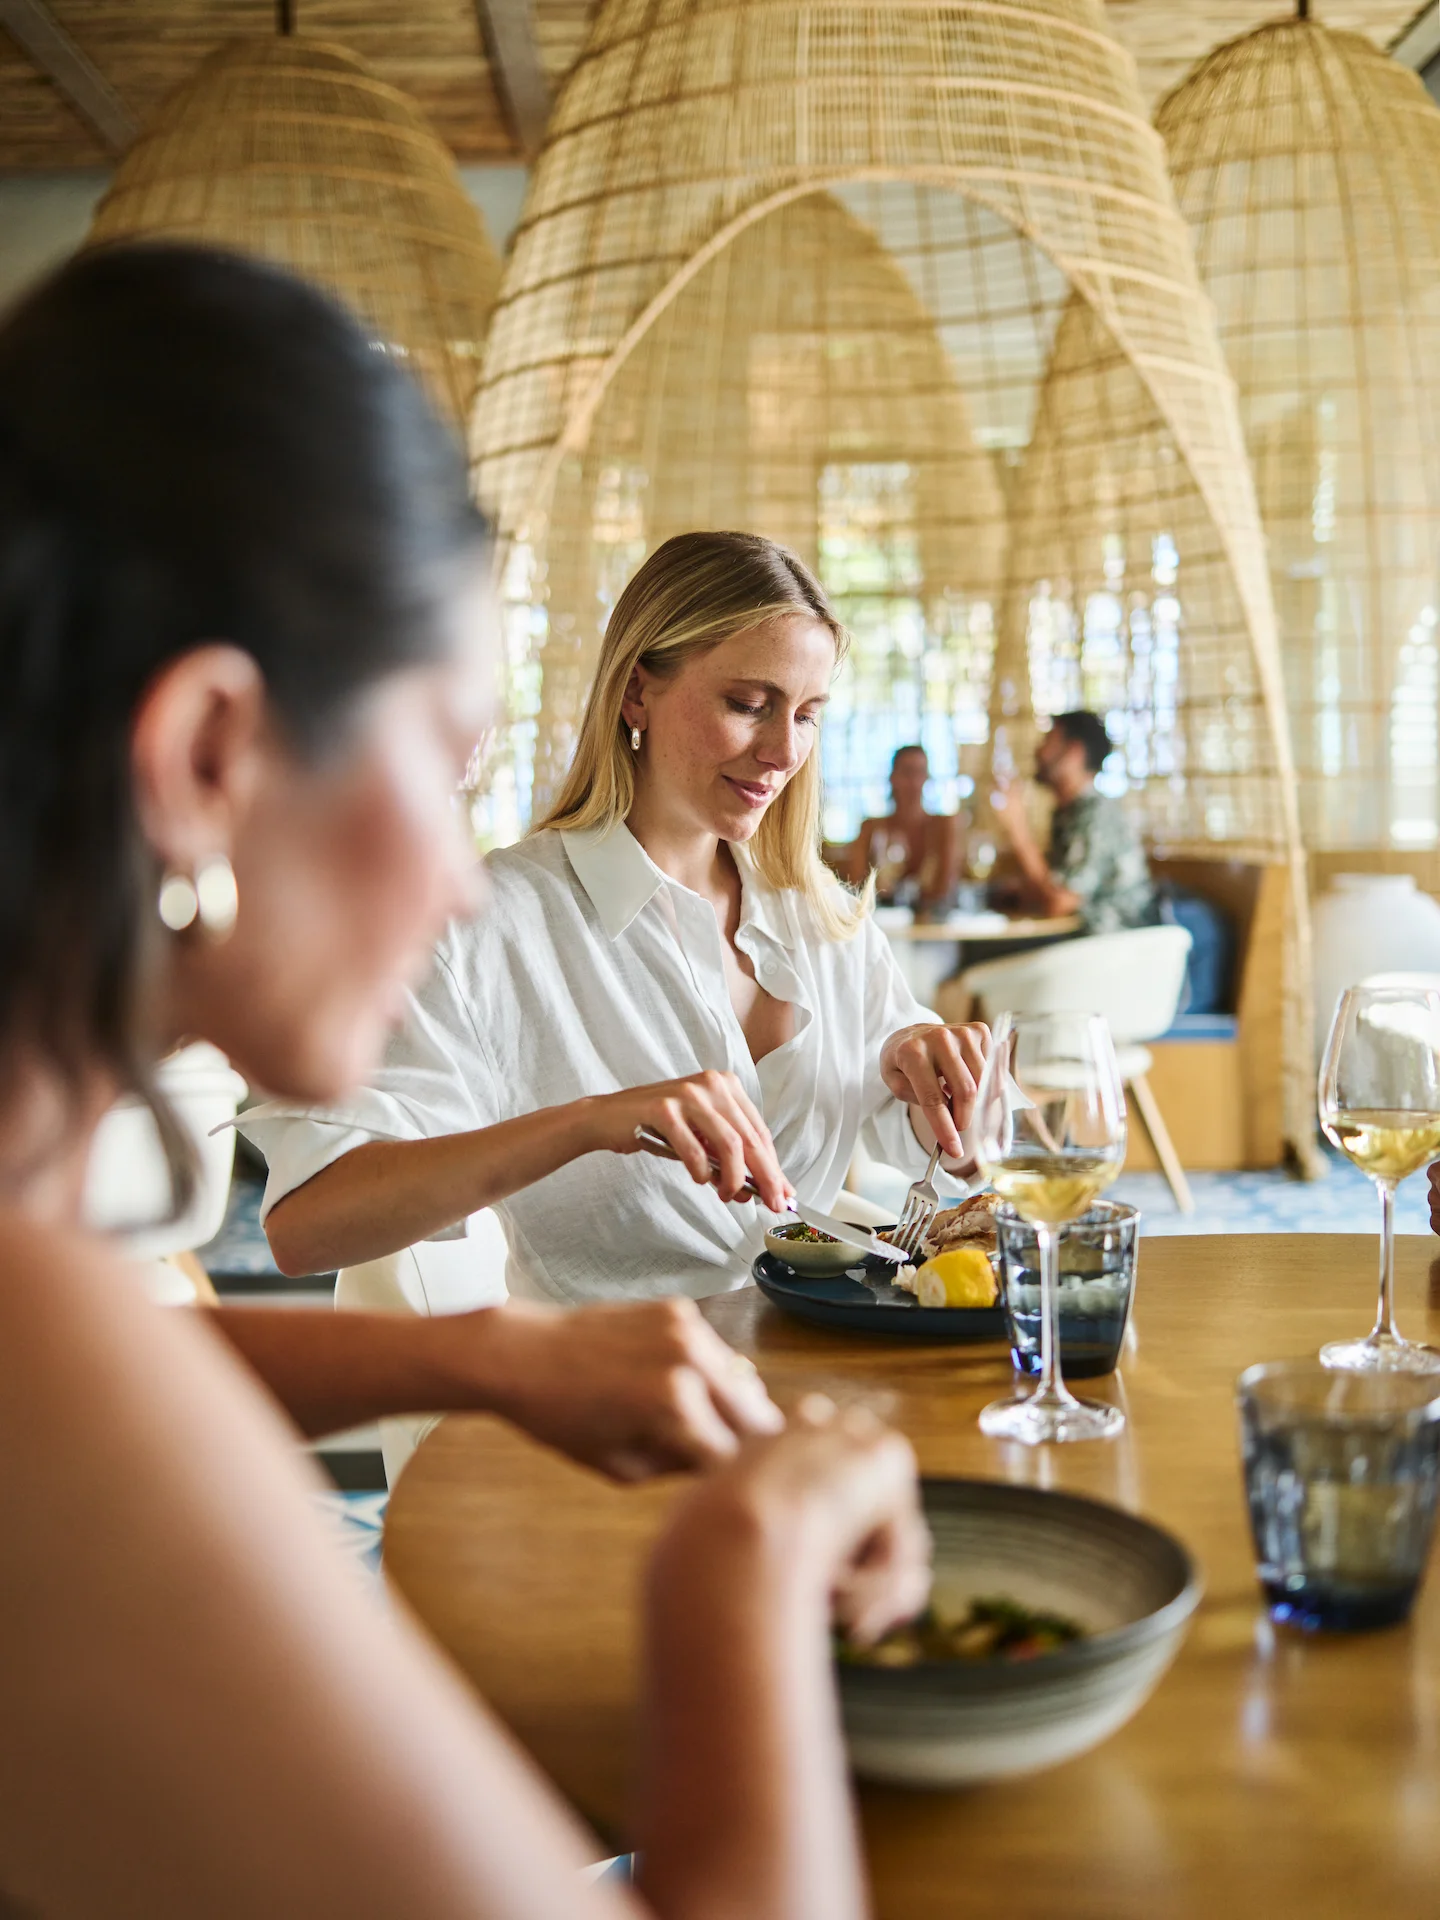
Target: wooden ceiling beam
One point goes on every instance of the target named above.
(1419, 44)
(32, 25)
(509, 34)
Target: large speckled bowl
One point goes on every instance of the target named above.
(1131, 1587)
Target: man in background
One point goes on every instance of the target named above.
(1095, 865)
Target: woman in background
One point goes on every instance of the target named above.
(243, 637)
(914, 855)
(669, 920)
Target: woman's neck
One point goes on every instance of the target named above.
(696, 859)
(46, 1130)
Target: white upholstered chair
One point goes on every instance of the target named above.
(127, 1179)
(1134, 979)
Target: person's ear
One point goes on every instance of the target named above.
(197, 747)
(632, 707)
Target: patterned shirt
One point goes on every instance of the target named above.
(1096, 853)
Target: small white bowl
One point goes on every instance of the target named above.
(948, 1723)
(817, 1259)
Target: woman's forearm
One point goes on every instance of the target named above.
(389, 1194)
(331, 1370)
(746, 1806)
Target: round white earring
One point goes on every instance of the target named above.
(212, 898)
(178, 903)
(634, 739)
(218, 897)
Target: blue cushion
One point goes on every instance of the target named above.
(1212, 947)
(1202, 1026)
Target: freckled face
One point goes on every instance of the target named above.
(725, 735)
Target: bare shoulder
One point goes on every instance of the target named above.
(188, 1662)
(79, 1336)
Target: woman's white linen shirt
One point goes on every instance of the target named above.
(590, 971)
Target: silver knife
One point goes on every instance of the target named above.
(859, 1237)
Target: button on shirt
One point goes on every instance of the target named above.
(590, 971)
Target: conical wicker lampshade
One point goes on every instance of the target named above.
(1308, 165)
(798, 385)
(294, 150)
(999, 153)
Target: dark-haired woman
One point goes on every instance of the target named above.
(240, 594)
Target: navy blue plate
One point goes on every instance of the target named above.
(862, 1300)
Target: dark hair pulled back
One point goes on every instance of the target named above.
(1085, 729)
(193, 447)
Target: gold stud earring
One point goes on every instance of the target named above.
(634, 739)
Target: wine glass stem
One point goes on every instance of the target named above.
(1384, 1328)
(1049, 1244)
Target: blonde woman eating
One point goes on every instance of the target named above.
(664, 947)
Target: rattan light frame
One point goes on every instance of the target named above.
(294, 150)
(688, 122)
(1308, 165)
(802, 355)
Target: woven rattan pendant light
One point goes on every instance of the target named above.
(1308, 164)
(293, 149)
(999, 153)
(798, 381)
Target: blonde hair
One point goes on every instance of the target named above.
(694, 592)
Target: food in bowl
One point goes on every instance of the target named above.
(992, 1629)
(815, 1254)
(1128, 1586)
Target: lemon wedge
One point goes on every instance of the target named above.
(963, 1277)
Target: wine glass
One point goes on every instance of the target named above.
(1380, 1105)
(1050, 1127)
(894, 857)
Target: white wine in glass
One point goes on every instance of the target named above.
(1050, 1122)
(1380, 1105)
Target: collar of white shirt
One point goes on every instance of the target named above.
(621, 880)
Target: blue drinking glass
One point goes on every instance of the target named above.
(1342, 1475)
(1097, 1286)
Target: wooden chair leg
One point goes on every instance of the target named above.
(1154, 1123)
(189, 1265)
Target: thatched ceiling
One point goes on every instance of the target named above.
(435, 50)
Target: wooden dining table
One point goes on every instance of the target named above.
(931, 951)
(1272, 1773)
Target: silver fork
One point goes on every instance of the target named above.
(922, 1203)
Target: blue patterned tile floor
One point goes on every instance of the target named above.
(1274, 1202)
